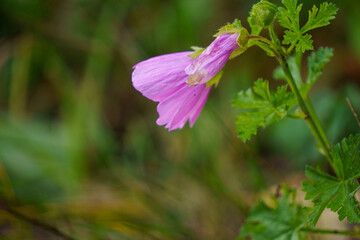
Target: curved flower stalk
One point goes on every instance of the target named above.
(212, 59)
(163, 79)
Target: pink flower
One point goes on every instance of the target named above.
(212, 59)
(163, 79)
(178, 82)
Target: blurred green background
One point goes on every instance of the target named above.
(79, 147)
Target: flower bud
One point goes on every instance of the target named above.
(263, 13)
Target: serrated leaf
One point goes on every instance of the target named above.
(247, 124)
(346, 158)
(316, 62)
(336, 193)
(304, 42)
(289, 19)
(261, 88)
(263, 107)
(319, 18)
(289, 16)
(248, 100)
(282, 222)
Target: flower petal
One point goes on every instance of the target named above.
(212, 59)
(158, 77)
(185, 104)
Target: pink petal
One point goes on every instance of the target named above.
(158, 77)
(182, 106)
(212, 59)
(163, 79)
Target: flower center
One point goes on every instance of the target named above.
(195, 79)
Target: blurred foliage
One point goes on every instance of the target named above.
(79, 147)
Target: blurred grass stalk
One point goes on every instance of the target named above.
(20, 77)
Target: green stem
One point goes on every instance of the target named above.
(292, 46)
(275, 40)
(260, 38)
(311, 117)
(317, 120)
(268, 46)
(327, 231)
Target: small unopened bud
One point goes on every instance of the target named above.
(263, 13)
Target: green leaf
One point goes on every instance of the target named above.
(289, 19)
(249, 122)
(282, 222)
(316, 63)
(304, 42)
(320, 18)
(263, 107)
(289, 16)
(336, 193)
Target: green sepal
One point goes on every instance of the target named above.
(230, 28)
(233, 28)
(216, 79)
(197, 52)
(237, 53)
(243, 38)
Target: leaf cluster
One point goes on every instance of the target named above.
(316, 63)
(262, 107)
(282, 221)
(336, 193)
(289, 18)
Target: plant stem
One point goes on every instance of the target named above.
(292, 46)
(260, 38)
(328, 231)
(317, 121)
(311, 117)
(270, 44)
(353, 111)
(275, 40)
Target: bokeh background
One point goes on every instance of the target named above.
(79, 147)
